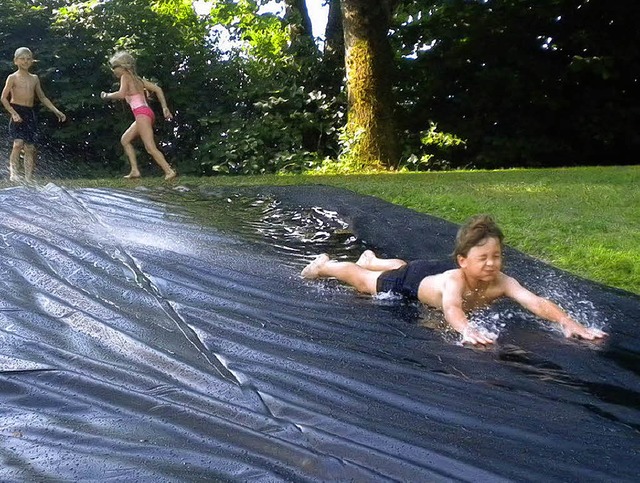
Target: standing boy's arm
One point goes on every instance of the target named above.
(45, 100)
(452, 290)
(546, 309)
(6, 92)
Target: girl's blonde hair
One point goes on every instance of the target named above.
(124, 60)
(127, 62)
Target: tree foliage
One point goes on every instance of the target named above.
(477, 83)
(550, 83)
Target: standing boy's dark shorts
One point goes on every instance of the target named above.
(406, 280)
(27, 130)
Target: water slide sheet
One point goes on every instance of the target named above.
(166, 336)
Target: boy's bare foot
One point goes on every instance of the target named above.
(365, 258)
(170, 175)
(133, 175)
(312, 270)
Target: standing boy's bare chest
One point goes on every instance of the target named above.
(23, 89)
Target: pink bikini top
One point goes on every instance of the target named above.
(136, 100)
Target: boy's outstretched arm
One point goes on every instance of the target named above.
(45, 100)
(456, 317)
(548, 310)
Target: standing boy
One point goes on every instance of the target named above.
(18, 97)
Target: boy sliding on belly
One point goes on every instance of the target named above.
(477, 281)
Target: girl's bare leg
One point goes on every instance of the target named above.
(370, 261)
(145, 129)
(360, 278)
(127, 140)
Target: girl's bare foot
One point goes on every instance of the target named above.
(170, 175)
(365, 258)
(133, 175)
(312, 270)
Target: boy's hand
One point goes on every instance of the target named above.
(571, 328)
(474, 336)
(61, 117)
(15, 117)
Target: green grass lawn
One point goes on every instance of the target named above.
(583, 220)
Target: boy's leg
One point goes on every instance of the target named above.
(370, 261)
(14, 159)
(29, 161)
(350, 273)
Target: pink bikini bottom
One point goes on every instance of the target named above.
(144, 111)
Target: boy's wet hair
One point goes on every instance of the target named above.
(22, 51)
(473, 232)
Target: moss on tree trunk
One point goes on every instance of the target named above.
(370, 71)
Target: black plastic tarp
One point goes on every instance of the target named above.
(166, 336)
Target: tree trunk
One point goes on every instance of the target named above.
(334, 36)
(297, 16)
(331, 74)
(370, 72)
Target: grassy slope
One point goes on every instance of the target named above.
(584, 220)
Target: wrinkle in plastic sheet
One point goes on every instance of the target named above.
(141, 342)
